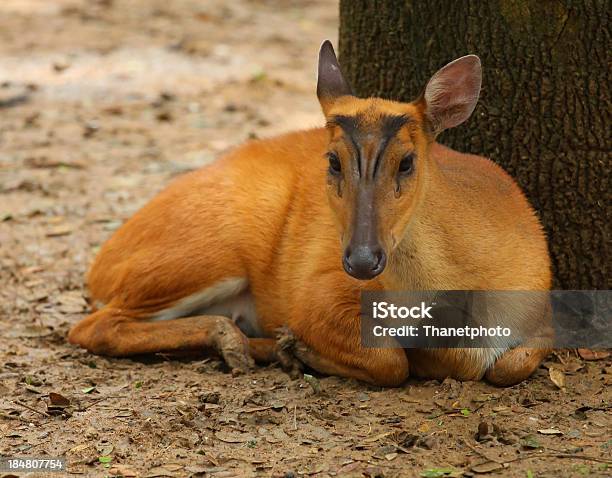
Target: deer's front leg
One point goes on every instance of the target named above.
(327, 334)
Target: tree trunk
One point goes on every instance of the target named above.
(544, 111)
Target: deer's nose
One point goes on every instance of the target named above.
(364, 262)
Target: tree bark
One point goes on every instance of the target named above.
(544, 111)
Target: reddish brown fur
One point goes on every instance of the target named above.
(263, 213)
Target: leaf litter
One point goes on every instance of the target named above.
(79, 157)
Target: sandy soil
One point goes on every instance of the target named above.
(101, 104)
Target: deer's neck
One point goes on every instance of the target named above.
(422, 258)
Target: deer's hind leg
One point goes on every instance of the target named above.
(519, 363)
(132, 324)
(120, 332)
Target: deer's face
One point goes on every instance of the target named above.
(377, 161)
(378, 155)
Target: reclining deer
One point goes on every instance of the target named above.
(287, 232)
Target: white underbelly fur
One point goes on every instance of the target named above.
(229, 298)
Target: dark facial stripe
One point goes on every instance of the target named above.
(389, 127)
(350, 126)
(391, 124)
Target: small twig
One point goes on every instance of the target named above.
(45, 414)
(14, 101)
(481, 405)
(527, 456)
(95, 402)
(14, 417)
(536, 455)
(212, 458)
(561, 359)
(442, 413)
(295, 417)
(577, 457)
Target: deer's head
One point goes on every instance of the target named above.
(378, 155)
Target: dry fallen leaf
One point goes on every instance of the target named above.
(557, 377)
(423, 428)
(233, 437)
(58, 400)
(550, 431)
(71, 302)
(483, 431)
(78, 448)
(61, 230)
(33, 389)
(158, 471)
(573, 367)
(122, 470)
(43, 162)
(587, 354)
(375, 438)
(531, 442)
(173, 466)
(248, 410)
(350, 467)
(104, 448)
(27, 331)
(487, 467)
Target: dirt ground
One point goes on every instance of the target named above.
(101, 104)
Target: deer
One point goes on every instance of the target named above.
(285, 233)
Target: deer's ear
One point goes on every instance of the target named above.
(330, 81)
(452, 93)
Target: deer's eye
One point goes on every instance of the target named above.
(335, 167)
(406, 165)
